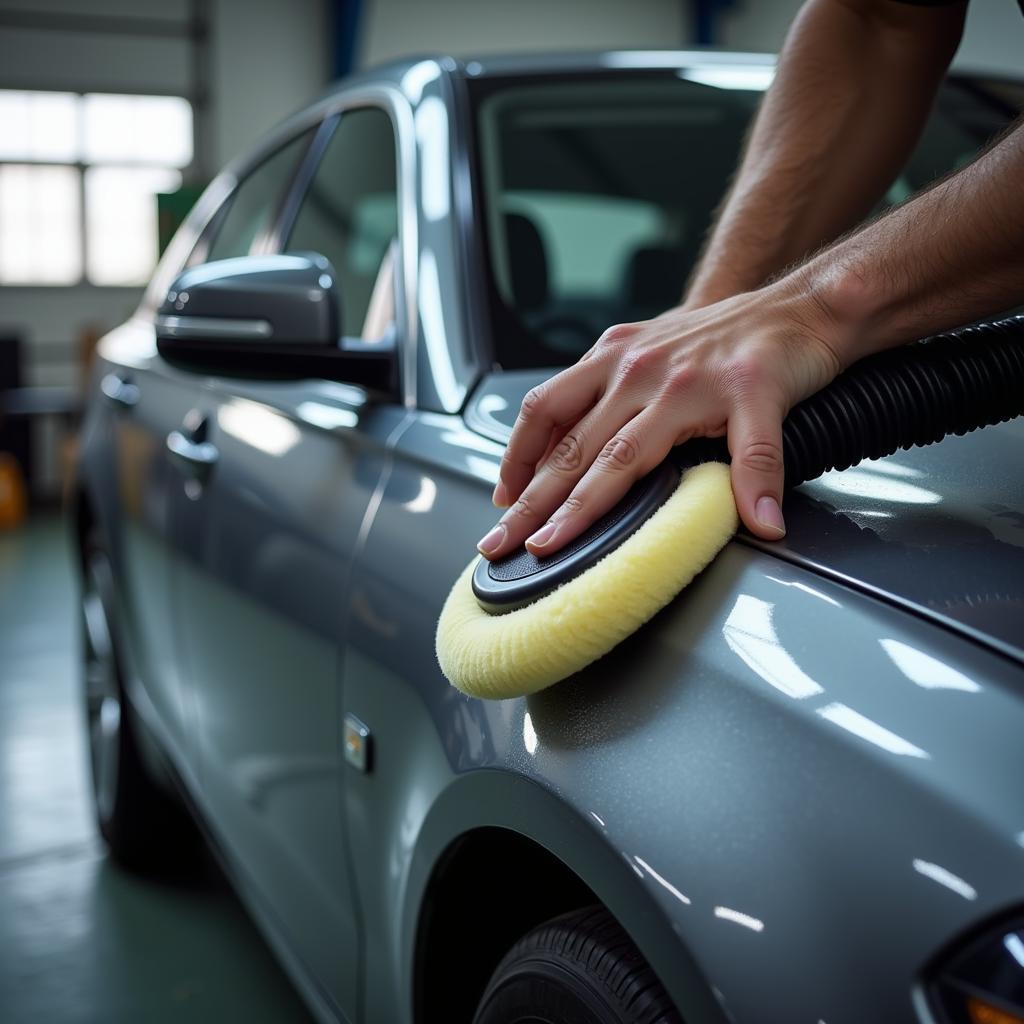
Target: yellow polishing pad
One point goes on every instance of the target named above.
(526, 650)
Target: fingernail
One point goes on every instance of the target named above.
(542, 536)
(500, 497)
(491, 541)
(768, 514)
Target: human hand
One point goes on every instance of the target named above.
(584, 437)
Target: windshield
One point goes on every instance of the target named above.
(598, 193)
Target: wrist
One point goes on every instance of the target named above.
(840, 304)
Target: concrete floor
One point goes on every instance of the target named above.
(81, 940)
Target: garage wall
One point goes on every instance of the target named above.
(268, 58)
(393, 28)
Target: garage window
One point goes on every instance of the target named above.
(79, 174)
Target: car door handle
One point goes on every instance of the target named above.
(120, 390)
(197, 456)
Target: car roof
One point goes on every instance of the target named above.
(581, 62)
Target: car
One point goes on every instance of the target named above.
(795, 795)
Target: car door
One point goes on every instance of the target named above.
(148, 400)
(269, 523)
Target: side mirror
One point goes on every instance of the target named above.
(268, 316)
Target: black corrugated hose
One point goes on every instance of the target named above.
(904, 397)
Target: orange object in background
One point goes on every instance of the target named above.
(983, 1013)
(13, 502)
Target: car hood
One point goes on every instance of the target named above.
(937, 530)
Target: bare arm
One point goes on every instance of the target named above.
(948, 256)
(855, 83)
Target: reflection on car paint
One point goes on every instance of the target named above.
(483, 468)
(258, 426)
(488, 405)
(859, 725)
(425, 496)
(1015, 947)
(813, 591)
(939, 874)
(418, 77)
(329, 417)
(432, 134)
(865, 481)
(529, 734)
(663, 882)
(750, 633)
(755, 924)
(926, 671)
(435, 333)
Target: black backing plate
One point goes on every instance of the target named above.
(521, 578)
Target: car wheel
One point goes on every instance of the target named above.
(580, 968)
(143, 827)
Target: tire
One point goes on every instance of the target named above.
(143, 827)
(580, 968)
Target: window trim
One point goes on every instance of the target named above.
(201, 250)
(392, 102)
(289, 212)
(273, 239)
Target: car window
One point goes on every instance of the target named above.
(589, 237)
(251, 207)
(597, 196)
(350, 212)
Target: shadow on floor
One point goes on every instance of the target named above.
(81, 940)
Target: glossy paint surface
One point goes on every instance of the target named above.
(792, 787)
(814, 787)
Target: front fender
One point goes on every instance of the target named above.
(505, 800)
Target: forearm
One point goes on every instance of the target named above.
(951, 255)
(855, 82)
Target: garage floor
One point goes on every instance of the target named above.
(81, 941)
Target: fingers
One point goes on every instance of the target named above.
(556, 402)
(632, 452)
(554, 441)
(755, 443)
(577, 449)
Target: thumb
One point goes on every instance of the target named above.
(755, 443)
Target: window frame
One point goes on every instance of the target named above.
(80, 167)
(325, 116)
(263, 242)
(288, 213)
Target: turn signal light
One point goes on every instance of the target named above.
(983, 1013)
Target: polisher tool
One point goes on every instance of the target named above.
(519, 624)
